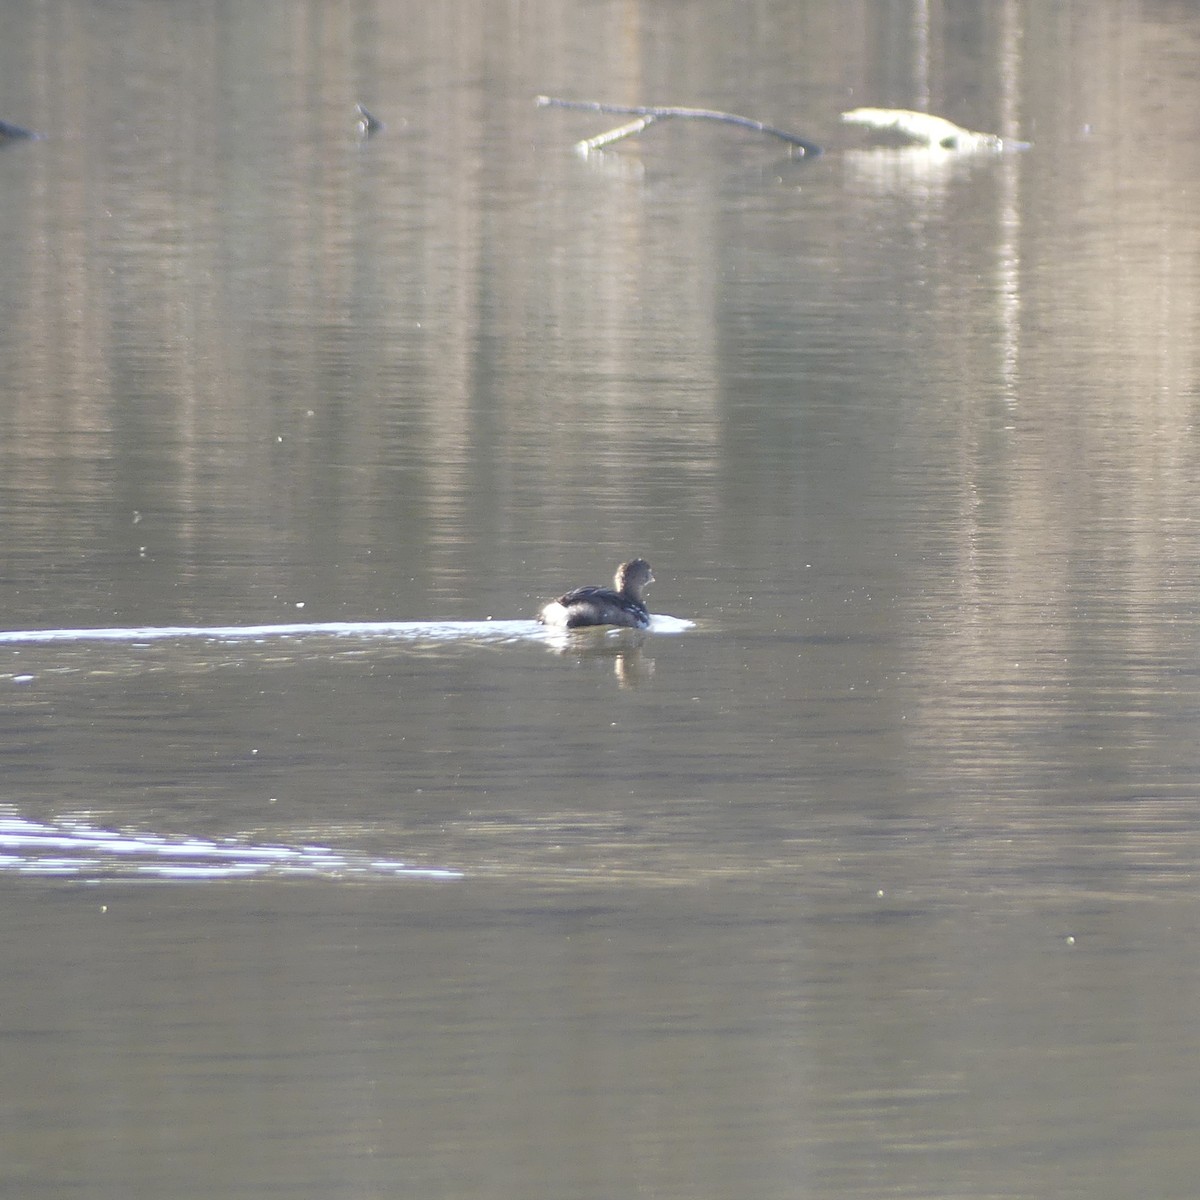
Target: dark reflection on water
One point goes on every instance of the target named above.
(877, 882)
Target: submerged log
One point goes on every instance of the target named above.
(647, 114)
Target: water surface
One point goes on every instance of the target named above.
(326, 870)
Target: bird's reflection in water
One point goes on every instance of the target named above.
(624, 648)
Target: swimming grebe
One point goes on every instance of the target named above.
(622, 604)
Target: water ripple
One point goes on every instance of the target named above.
(76, 850)
(422, 631)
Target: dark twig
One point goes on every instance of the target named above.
(649, 114)
(12, 133)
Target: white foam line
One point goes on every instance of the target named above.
(47, 840)
(179, 871)
(438, 631)
(411, 630)
(187, 858)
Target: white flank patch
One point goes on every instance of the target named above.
(555, 614)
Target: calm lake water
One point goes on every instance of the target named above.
(878, 880)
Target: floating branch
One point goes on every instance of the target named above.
(647, 115)
(928, 130)
(615, 135)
